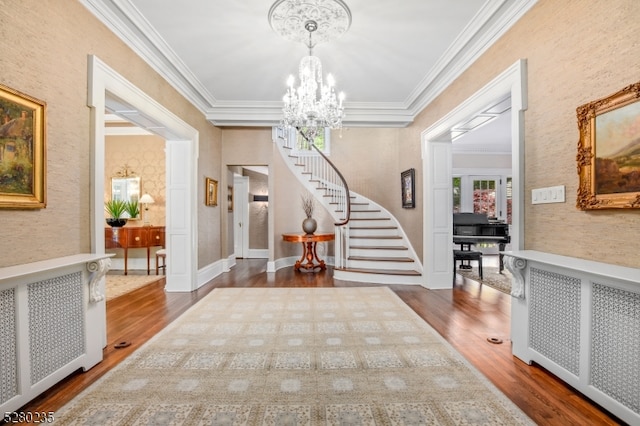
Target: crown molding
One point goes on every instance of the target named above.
(489, 24)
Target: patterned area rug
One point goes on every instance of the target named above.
(491, 278)
(117, 285)
(294, 356)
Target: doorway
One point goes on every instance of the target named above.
(106, 86)
(437, 173)
(251, 217)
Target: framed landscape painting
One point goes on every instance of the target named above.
(608, 156)
(22, 150)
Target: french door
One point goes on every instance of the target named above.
(486, 195)
(490, 195)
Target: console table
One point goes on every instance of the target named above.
(309, 253)
(134, 237)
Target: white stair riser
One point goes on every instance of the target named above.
(376, 242)
(372, 232)
(377, 278)
(378, 252)
(365, 214)
(367, 264)
(371, 222)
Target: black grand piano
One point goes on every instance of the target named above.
(476, 228)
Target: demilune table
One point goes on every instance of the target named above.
(309, 242)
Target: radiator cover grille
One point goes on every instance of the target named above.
(615, 351)
(8, 348)
(554, 318)
(56, 323)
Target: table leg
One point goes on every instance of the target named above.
(309, 254)
(298, 264)
(320, 262)
(148, 263)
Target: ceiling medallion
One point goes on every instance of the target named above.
(288, 18)
(314, 104)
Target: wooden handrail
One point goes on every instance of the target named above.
(342, 179)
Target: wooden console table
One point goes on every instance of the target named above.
(134, 237)
(309, 253)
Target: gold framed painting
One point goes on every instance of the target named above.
(211, 192)
(229, 198)
(22, 150)
(608, 157)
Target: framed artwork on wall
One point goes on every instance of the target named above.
(230, 198)
(211, 192)
(22, 150)
(408, 187)
(608, 157)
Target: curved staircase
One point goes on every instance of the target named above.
(371, 246)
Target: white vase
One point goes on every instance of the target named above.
(309, 225)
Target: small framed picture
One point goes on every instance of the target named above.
(230, 198)
(408, 187)
(211, 192)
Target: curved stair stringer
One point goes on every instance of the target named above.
(379, 250)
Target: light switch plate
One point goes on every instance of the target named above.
(551, 194)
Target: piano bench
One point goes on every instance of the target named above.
(467, 255)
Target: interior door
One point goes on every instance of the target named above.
(241, 216)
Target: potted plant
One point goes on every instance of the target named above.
(115, 209)
(309, 225)
(132, 208)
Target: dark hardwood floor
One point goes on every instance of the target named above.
(466, 316)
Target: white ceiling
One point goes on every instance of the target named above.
(225, 58)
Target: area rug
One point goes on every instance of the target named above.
(294, 356)
(490, 277)
(117, 285)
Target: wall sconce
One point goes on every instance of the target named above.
(263, 198)
(145, 200)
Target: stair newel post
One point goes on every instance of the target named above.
(337, 248)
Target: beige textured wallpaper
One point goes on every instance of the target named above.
(44, 51)
(576, 51)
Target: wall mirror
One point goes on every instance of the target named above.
(127, 189)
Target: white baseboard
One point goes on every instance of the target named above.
(258, 253)
(210, 271)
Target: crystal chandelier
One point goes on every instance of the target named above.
(314, 104)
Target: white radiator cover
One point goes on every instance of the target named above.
(581, 321)
(52, 319)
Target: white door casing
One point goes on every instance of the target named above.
(510, 82)
(182, 154)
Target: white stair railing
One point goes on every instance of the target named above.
(330, 188)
